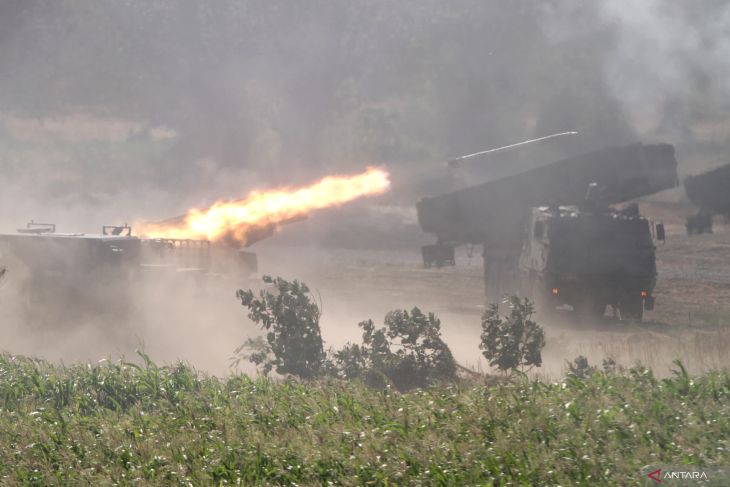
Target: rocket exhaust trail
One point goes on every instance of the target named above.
(457, 160)
(239, 220)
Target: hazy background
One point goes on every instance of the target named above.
(116, 110)
(113, 111)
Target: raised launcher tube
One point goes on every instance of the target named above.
(496, 214)
(493, 212)
(710, 192)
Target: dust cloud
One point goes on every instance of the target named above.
(167, 314)
(115, 112)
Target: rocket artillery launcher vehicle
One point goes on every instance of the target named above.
(97, 272)
(710, 192)
(550, 233)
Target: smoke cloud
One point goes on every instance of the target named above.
(114, 112)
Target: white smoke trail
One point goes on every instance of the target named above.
(457, 160)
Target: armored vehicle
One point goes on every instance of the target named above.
(589, 258)
(500, 214)
(71, 273)
(710, 192)
(59, 269)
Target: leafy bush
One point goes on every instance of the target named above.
(512, 341)
(291, 319)
(610, 366)
(407, 352)
(580, 369)
(256, 350)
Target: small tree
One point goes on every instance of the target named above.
(407, 352)
(291, 319)
(257, 351)
(610, 366)
(580, 369)
(512, 341)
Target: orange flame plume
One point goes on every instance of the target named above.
(240, 220)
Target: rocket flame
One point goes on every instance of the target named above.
(240, 220)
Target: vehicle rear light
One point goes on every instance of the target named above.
(555, 291)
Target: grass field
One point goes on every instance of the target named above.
(126, 424)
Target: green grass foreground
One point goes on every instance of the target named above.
(119, 423)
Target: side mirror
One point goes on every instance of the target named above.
(660, 235)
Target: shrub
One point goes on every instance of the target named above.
(407, 352)
(291, 319)
(512, 341)
(610, 366)
(580, 369)
(256, 350)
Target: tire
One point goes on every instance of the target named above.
(598, 309)
(632, 311)
(590, 308)
(533, 288)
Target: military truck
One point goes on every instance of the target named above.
(501, 216)
(710, 192)
(588, 258)
(67, 274)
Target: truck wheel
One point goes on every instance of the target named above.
(633, 311)
(598, 309)
(590, 308)
(544, 308)
(534, 288)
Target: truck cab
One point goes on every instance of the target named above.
(589, 258)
